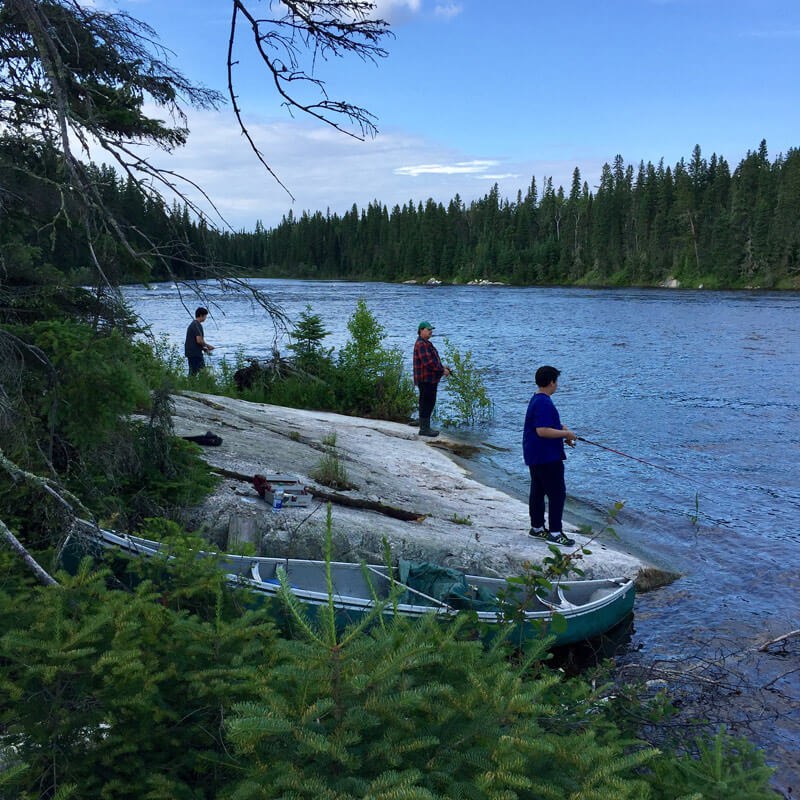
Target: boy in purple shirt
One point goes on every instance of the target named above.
(543, 447)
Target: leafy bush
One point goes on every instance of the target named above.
(724, 768)
(466, 400)
(307, 335)
(331, 471)
(365, 378)
(72, 420)
(83, 357)
(370, 378)
(298, 391)
(416, 709)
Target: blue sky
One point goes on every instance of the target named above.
(474, 92)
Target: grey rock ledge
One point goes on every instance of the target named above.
(390, 465)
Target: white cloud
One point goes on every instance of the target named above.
(459, 168)
(327, 170)
(448, 10)
(395, 12)
(499, 177)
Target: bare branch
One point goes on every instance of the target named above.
(783, 638)
(321, 28)
(53, 488)
(75, 76)
(41, 575)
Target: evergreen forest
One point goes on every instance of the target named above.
(697, 222)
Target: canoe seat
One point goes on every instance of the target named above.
(599, 594)
(556, 601)
(262, 572)
(563, 601)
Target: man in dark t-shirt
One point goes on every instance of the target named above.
(196, 344)
(543, 447)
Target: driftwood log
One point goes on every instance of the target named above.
(340, 499)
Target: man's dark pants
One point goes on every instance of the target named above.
(196, 363)
(547, 480)
(427, 399)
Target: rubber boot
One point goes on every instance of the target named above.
(425, 427)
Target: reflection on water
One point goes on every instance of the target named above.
(577, 658)
(702, 383)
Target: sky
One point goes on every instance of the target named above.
(474, 93)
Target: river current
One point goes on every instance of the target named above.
(705, 384)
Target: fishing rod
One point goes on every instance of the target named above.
(640, 460)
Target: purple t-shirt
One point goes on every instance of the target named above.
(542, 413)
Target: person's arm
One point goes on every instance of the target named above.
(555, 433)
(546, 413)
(202, 342)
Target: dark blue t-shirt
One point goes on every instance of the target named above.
(542, 413)
(190, 347)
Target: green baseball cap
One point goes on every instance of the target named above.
(424, 324)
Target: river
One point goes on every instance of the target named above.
(705, 384)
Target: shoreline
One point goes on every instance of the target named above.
(462, 523)
(501, 285)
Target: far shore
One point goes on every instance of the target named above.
(433, 283)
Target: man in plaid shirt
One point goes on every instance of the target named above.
(428, 371)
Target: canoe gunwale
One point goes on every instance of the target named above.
(137, 546)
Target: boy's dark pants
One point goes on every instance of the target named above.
(547, 480)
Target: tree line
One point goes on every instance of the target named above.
(697, 221)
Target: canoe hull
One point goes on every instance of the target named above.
(584, 609)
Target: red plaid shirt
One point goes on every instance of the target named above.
(427, 366)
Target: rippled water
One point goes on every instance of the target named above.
(706, 384)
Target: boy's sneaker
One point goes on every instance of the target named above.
(560, 538)
(539, 533)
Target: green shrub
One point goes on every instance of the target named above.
(170, 689)
(722, 768)
(331, 471)
(365, 378)
(73, 421)
(227, 370)
(306, 345)
(296, 391)
(416, 709)
(142, 472)
(97, 380)
(466, 400)
(370, 378)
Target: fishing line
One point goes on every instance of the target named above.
(642, 461)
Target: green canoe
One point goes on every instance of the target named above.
(572, 611)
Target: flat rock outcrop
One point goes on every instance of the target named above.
(390, 466)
